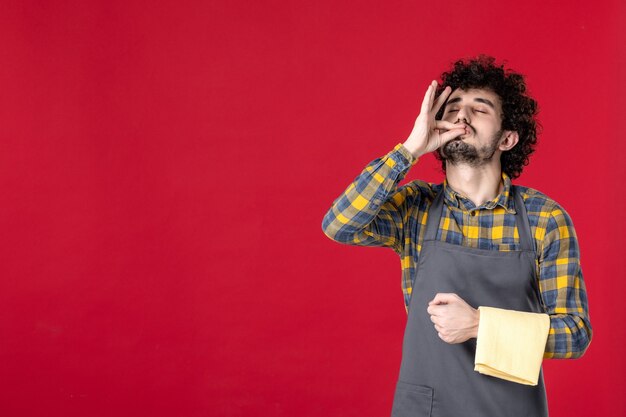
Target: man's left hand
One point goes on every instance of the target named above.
(454, 319)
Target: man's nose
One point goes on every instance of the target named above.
(463, 116)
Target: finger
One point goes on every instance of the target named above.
(441, 99)
(451, 134)
(433, 91)
(442, 124)
(436, 310)
(425, 103)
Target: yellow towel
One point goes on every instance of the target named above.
(510, 344)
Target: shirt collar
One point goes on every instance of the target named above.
(503, 199)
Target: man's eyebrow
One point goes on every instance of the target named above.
(478, 99)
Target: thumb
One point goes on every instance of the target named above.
(443, 298)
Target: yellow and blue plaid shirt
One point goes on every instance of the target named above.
(374, 211)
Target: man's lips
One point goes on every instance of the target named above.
(469, 131)
(464, 135)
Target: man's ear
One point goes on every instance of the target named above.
(509, 140)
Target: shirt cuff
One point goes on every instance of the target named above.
(407, 156)
(510, 344)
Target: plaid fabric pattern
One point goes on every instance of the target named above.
(374, 211)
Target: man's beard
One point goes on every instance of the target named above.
(457, 151)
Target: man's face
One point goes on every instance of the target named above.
(481, 111)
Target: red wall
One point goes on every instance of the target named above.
(165, 167)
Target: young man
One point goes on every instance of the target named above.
(491, 271)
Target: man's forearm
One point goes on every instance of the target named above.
(361, 202)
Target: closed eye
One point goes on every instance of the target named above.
(454, 111)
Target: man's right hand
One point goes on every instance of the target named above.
(429, 134)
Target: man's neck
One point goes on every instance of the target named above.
(477, 184)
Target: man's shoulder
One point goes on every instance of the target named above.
(553, 222)
(415, 193)
(424, 189)
(537, 201)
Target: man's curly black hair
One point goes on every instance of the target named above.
(518, 109)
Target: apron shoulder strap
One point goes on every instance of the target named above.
(521, 219)
(434, 216)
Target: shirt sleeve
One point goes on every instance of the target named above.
(563, 289)
(510, 344)
(372, 210)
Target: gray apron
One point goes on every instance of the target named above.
(437, 378)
